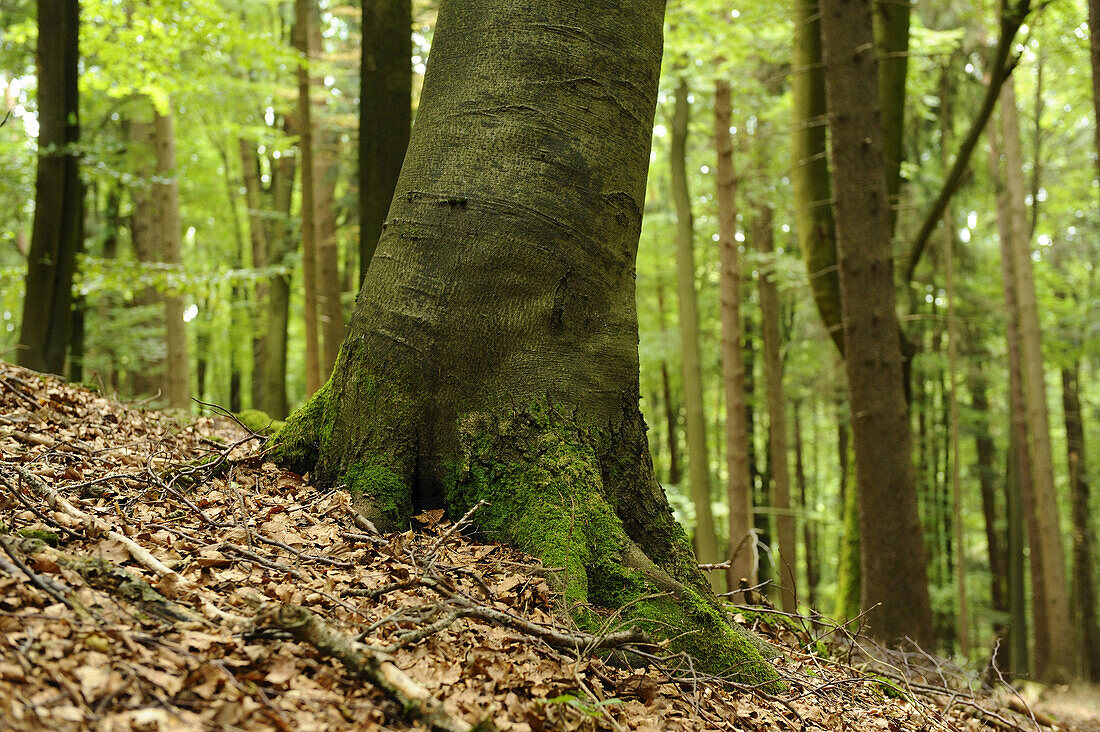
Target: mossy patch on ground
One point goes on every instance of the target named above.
(259, 421)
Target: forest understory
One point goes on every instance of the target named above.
(162, 575)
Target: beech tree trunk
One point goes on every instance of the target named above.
(1056, 650)
(493, 352)
(672, 410)
(385, 114)
(303, 42)
(809, 530)
(742, 540)
(1084, 535)
(1018, 476)
(59, 193)
(177, 381)
(810, 183)
(892, 552)
(787, 556)
(706, 544)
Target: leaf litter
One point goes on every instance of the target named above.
(163, 575)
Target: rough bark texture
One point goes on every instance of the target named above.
(385, 114)
(1084, 535)
(304, 42)
(742, 538)
(892, 552)
(1056, 650)
(493, 351)
(813, 193)
(706, 545)
(787, 556)
(59, 194)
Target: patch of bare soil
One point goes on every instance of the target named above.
(158, 575)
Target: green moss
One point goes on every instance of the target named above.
(297, 444)
(259, 421)
(44, 535)
(379, 493)
(540, 475)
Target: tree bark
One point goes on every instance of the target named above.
(892, 552)
(385, 114)
(177, 376)
(493, 354)
(672, 410)
(1084, 536)
(706, 544)
(303, 42)
(742, 540)
(891, 33)
(1056, 651)
(810, 183)
(809, 531)
(787, 556)
(59, 193)
(1018, 476)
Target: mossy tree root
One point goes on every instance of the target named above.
(544, 478)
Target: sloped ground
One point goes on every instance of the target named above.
(160, 576)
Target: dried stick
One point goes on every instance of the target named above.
(59, 503)
(365, 663)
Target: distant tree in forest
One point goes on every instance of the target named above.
(894, 580)
(59, 193)
(385, 114)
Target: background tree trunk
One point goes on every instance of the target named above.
(177, 376)
(706, 544)
(1084, 536)
(1056, 650)
(742, 540)
(59, 193)
(892, 551)
(303, 41)
(810, 181)
(672, 410)
(787, 556)
(385, 114)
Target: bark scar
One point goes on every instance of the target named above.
(558, 309)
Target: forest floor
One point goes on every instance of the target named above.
(161, 575)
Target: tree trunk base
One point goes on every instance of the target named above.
(578, 497)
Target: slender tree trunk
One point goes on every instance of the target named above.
(328, 259)
(1084, 535)
(892, 556)
(1060, 649)
(787, 558)
(742, 551)
(257, 234)
(1019, 489)
(59, 193)
(177, 383)
(706, 543)
(672, 410)
(961, 599)
(385, 114)
(891, 31)
(146, 373)
(985, 451)
(810, 181)
(303, 41)
(809, 531)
